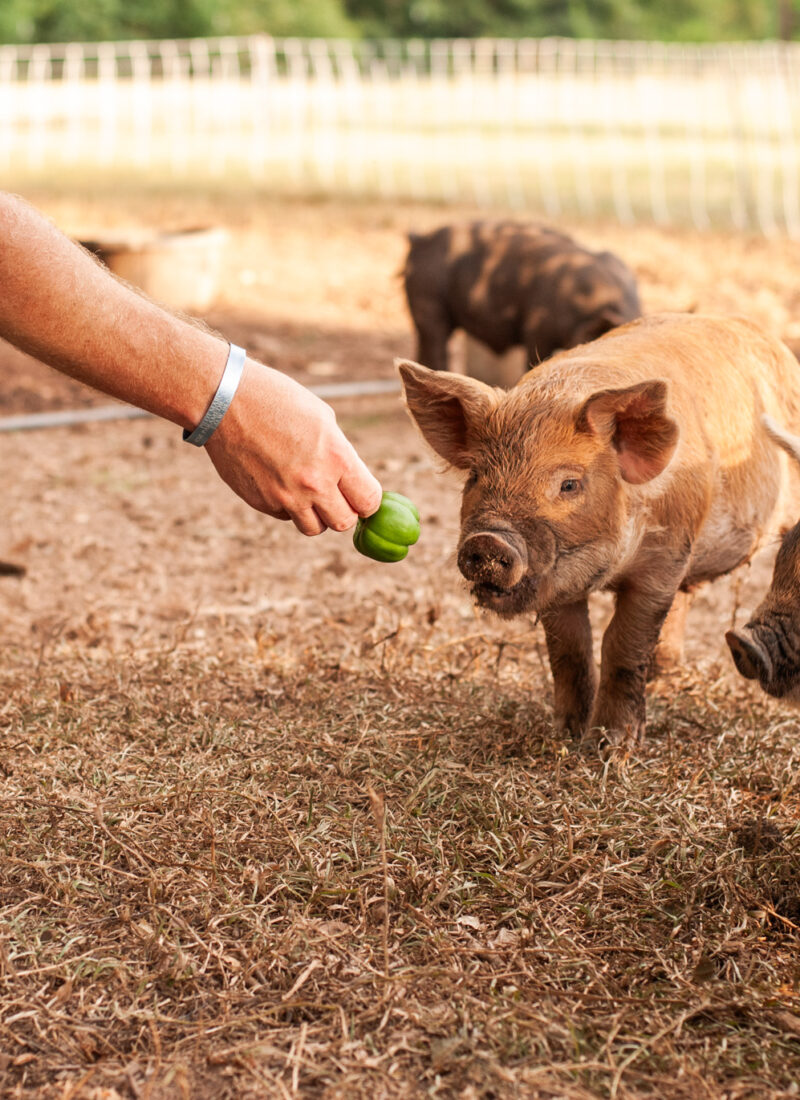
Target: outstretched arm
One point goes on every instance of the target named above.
(278, 446)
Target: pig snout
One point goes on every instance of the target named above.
(768, 652)
(496, 558)
(750, 657)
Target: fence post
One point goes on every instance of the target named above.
(9, 110)
(788, 137)
(262, 70)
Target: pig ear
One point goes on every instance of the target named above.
(636, 423)
(447, 408)
(789, 443)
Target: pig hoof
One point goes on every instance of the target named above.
(606, 740)
(598, 740)
(571, 725)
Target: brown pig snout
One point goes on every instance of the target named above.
(493, 557)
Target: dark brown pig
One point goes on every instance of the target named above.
(508, 284)
(767, 649)
(635, 463)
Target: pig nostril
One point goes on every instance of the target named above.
(488, 558)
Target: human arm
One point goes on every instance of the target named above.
(278, 445)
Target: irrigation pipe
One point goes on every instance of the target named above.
(66, 418)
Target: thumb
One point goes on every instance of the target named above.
(360, 488)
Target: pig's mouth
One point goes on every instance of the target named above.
(507, 602)
(535, 591)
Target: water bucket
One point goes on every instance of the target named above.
(181, 269)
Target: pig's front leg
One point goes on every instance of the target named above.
(569, 647)
(628, 647)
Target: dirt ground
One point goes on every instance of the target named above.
(313, 289)
(280, 821)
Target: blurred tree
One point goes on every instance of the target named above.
(680, 20)
(164, 18)
(702, 20)
(788, 18)
(16, 22)
(54, 20)
(284, 18)
(452, 18)
(95, 20)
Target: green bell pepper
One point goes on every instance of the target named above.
(387, 534)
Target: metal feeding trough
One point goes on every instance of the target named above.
(182, 269)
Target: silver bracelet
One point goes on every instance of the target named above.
(221, 400)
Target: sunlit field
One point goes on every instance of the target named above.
(278, 821)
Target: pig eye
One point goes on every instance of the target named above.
(471, 480)
(570, 486)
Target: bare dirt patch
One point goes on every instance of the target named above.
(277, 820)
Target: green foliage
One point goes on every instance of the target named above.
(681, 20)
(446, 18)
(164, 19)
(284, 18)
(16, 22)
(98, 20)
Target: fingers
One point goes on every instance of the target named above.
(357, 493)
(336, 513)
(308, 522)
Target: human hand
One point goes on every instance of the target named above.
(280, 449)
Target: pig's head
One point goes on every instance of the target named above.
(767, 649)
(545, 514)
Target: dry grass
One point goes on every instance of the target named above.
(276, 821)
(195, 900)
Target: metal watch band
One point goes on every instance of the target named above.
(221, 400)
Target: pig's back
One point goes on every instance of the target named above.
(723, 375)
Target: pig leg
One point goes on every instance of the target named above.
(668, 653)
(569, 647)
(432, 349)
(628, 646)
(433, 329)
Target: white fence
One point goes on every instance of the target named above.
(707, 135)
